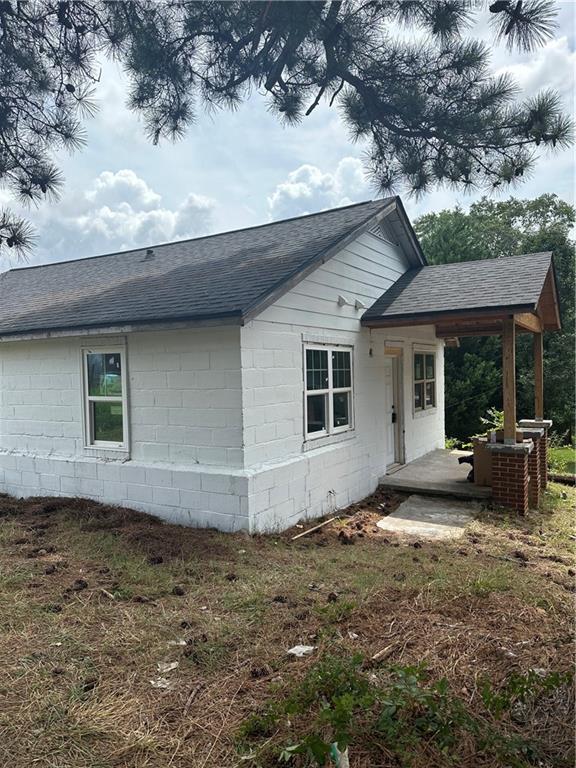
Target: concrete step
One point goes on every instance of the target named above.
(457, 490)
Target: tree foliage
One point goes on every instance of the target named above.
(403, 73)
(473, 371)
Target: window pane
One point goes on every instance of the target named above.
(107, 422)
(430, 367)
(430, 394)
(316, 413)
(104, 374)
(316, 369)
(341, 409)
(418, 367)
(418, 396)
(95, 366)
(113, 375)
(341, 370)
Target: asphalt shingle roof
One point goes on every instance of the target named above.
(509, 282)
(209, 277)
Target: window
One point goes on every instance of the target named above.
(424, 381)
(105, 398)
(328, 391)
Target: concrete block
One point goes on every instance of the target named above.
(221, 484)
(163, 478)
(142, 493)
(130, 473)
(169, 497)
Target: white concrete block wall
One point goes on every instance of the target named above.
(184, 396)
(184, 495)
(329, 473)
(185, 420)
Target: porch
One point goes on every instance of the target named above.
(436, 474)
(494, 297)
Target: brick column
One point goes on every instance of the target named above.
(534, 474)
(543, 446)
(540, 424)
(535, 471)
(510, 476)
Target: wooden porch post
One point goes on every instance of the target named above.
(538, 376)
(509, 378)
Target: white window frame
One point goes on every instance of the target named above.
(424, 380)
(329, 392)
(89, 441)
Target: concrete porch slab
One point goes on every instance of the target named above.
(430, 518)
(438, 474)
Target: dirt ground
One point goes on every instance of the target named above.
(128, 642)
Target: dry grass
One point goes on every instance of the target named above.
(87, 611)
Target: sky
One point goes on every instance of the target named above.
(239, 169)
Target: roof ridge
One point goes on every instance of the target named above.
(195, 239)
(482, 261)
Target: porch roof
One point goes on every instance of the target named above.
(472, 297)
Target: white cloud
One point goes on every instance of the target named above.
(309, 189)
(551, 66)
(118, 211)
(122, 187)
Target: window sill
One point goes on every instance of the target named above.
(320, 442)
(424, 413)
(103, 452)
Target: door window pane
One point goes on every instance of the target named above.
(430, 394)
(341, 409)
(316, 369)
(316, 413)
(341, 374)
(419, 396)
(429, 366)
(418, 367)
(104, 375)
(107, 423)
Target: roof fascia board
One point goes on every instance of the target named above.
(101, 330)
(412, 236)
(317, 260)
(432, 318)
(557, 305)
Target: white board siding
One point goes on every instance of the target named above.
(363, 270)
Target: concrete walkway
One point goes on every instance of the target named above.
(430, 517)
(437, 473)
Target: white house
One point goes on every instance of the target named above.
(224, 381)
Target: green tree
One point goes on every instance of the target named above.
(473, 371)
(426, 103)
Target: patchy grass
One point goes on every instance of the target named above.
(92, 598)
(562, 460)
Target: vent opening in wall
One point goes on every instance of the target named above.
(376, 230)
(381, 233)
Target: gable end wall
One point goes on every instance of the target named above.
(292, 479)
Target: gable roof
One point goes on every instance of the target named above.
(511, 284)
(227, 277)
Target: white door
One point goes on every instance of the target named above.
(390, 415)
